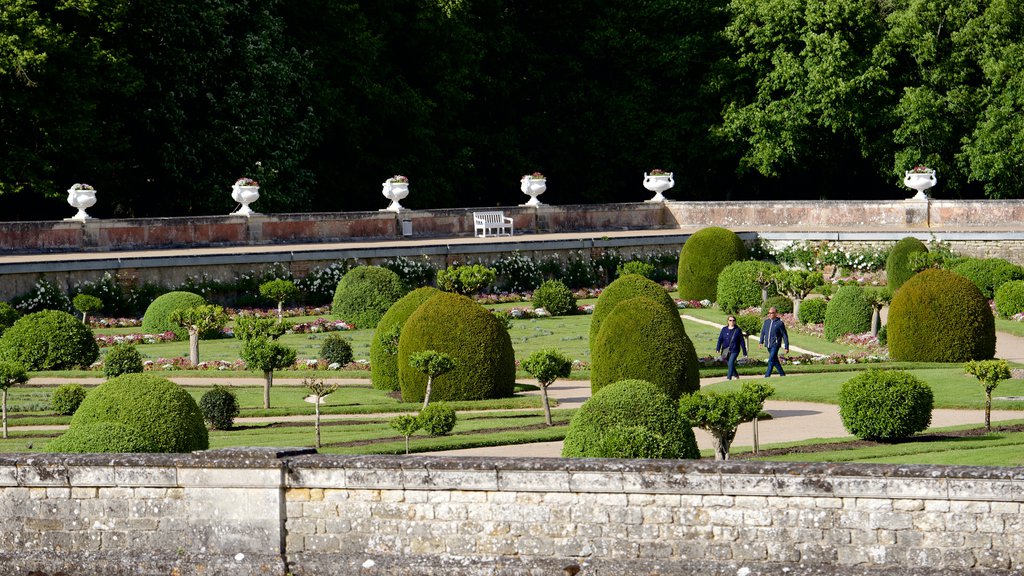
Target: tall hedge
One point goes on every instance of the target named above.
(640, 340)
(897, 265)
(365, 293)
(703, 257)
(623, 288)
(940, 316)
(157, 318)
(475, 338)
(384, 365)
(623, 405)
(49, 340)
(738, 287)
(848, 312)
(989, 274)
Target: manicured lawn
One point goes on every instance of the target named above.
(812, 343)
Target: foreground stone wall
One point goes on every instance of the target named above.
(277, 511)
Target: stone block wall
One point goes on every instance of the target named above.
(269, 511)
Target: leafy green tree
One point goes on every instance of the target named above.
(86, 304)
(722, 413)
(267, 355)
(199, 320)
(796, 284)
(879, 297)
(433, 364)
(407, 425)
(318, 390)
(990, 373)
(253, 327)
(547, 366)
(11, 374)
(279, 291)
(466, 280)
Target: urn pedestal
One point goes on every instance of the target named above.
(658, 183)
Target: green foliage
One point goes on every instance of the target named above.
(989, 274)
(722, 413)
(438, 419)
(219, 406)
(781, 303)
(740, 284)
(555, 297)
(812, 311)
(204, 320)
(750, 323)
(703, 257)
(414, 273)
(157, 318)
(898, 268)
(466, 280)
(384, 348)
(279, 291)
(622, 441)
(11, 374)
(642, 340)
(336, 349)
(8, 316)
(267, 355)
(639, 267)
(477, 341)
(432, 363)
(1010, 298)
(49, 340)
(629, 403)
(365, 293)
(407, 424)
(624, 288)
(848, 312)
(122, 358)
(87, 304)
(547, 366)
(102, 437)
(939, 316)
(517, 273)
(885, 405)
(43, 296)
(254, 327)
(988, 372)
(162, 412)
(66, 398)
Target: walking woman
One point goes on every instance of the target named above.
(730, 341)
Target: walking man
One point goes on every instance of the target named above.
(774, 336)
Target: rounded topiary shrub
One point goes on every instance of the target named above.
(939, 316)
(66, 398)
(438, 418)
(555, 297)
(704, 255)
(49, 340)
(623, 288)
(848, 312)
(365, 293)
(782, 304)
(8, 316)
(597, 428)
(336, 349)
(160, 410)
(989, 274)
(885, 405)
(897, 265)
(110, 437)
(478, 342)
(123, 358)
(157, 318)
(738, 287)
(219, 407)
(1010, 298)
(641, 340)
(384, 348)
(812, 310)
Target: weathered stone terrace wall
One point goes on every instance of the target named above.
(266, 511)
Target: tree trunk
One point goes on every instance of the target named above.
(268, 380)
(193, 346)
(988, 410)
(754, 422)
(547, 408)
(426, 394)
(280, 311)
(722, 439)
(876, 319)
(764, 294)
(796, 307)
(5, 413)
(85, 318)
(406, 445)
(316, 424)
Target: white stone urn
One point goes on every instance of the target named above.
(395, 188)
(658, 181)
(245, 191)
(920, 178)
(81, 196)
(533, 185)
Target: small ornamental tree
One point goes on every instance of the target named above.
(796, 284)
(406, 425)
(267, 355)
(878, 297)
(87, 304)
(990, 373)
(433, 364)
(465, 280)
(547, 366)
(279, 291)
(253, 327)
(318, 390)
(722, 413)
(199, 320)
(11, 374)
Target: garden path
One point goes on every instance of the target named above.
(752, 337)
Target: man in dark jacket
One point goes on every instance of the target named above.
(774, 336)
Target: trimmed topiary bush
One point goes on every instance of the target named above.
(49, 340)
(162, 412)
(897, 265)
(885, 405)
(783, 304)
(478, 342)
(122, 358)
(939, 316)
(365, 293)
(66, 398)
(336, 349)
(157, 318)
(599, 428)
(438, 419)
(1010, 298)
(108, 437)
(219, 407)
(812, 310)
(704, 255)
(738, 287)
(555, 297)
(623, 288)
(8, 316)
(384, 348)
(848, 312)
(641, 340)
(989, 274)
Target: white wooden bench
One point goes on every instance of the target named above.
(491, 223)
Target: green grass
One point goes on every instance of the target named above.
(1010, 326)
(812, 343)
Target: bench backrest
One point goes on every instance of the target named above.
(489, 216)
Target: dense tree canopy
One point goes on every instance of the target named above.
(162, 104)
